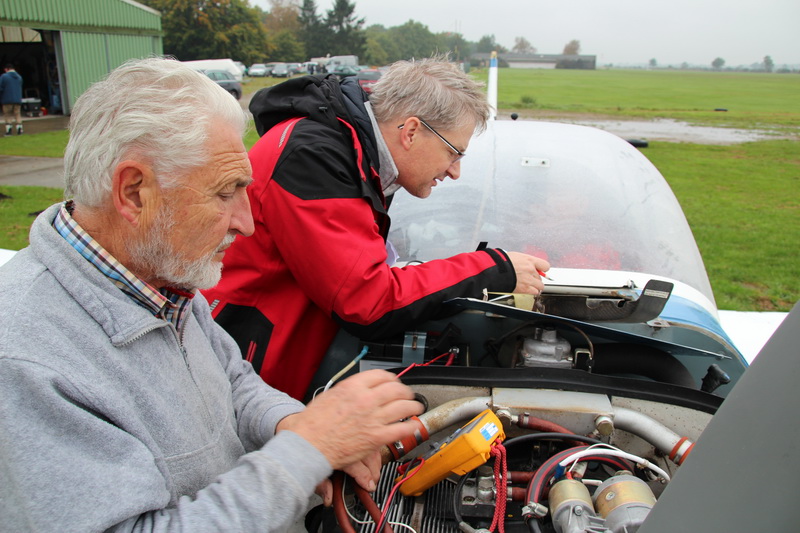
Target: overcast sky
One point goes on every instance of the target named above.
(616, 31)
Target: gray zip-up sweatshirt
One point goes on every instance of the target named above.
(108, 422)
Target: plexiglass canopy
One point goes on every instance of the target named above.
(580, 197)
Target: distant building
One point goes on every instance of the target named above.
(545, 61)
(60, 48)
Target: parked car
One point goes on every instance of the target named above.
(345, 70)
(226, 80)
(281, 70)
(242, 67)
(367, 78)
(257, 70)
(227, 65)
(270, 67)
(294, 68)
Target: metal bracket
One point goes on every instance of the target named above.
(414, 347)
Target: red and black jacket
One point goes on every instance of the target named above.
(317, 260)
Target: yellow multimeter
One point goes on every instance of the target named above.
(465, 450)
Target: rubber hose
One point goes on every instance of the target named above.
(540, 424)
(339, 509)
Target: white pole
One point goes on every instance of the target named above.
(491, 86)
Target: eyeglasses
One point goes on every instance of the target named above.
(458, 152)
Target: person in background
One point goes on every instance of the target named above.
(124, 406)
(325, 169)
(11, 98)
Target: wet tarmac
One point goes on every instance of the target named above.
(42, 171)
(670, 130)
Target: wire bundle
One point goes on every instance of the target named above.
(501, 487)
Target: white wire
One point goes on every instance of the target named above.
(404, 525)
(607, 449)
(347, 367)
(602, 445)
(328, 385)
(371, 521)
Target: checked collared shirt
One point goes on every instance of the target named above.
(173, 305)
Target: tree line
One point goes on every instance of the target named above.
(765, 65)
(288, 31)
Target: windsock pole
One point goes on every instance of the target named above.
(491, 86)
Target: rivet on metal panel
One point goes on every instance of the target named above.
(535, 162)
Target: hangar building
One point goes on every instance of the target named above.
(60, 47)
(542, 61)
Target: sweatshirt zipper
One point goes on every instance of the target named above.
(149, 329)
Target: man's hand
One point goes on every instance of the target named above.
(351, 421)
(527, 268)
(366, 473)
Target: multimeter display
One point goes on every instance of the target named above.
(465, 450)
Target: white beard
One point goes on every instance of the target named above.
(154, 254)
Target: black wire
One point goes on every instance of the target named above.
(457, 498)
(384, 517)
(491, 348)
(533, 525)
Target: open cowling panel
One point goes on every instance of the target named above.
(594, 420)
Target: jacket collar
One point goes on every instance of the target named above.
(113, 310)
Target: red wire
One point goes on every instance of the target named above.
(389, 499)
(501, 482)
(369, 504)
(412, 365)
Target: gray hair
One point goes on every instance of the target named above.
(156, 109)
(434, 89)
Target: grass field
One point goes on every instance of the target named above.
(743, 205)
(752, 100)
(742, 201)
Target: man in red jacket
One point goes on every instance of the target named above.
(325, 166)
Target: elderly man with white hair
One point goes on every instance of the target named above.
(124, 407)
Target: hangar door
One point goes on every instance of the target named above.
(88, 57)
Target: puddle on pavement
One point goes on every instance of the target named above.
(676, 131)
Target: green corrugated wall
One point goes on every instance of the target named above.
(88, 57)
(83, 14)
(96, 35)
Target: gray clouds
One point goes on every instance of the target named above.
(616, 31)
